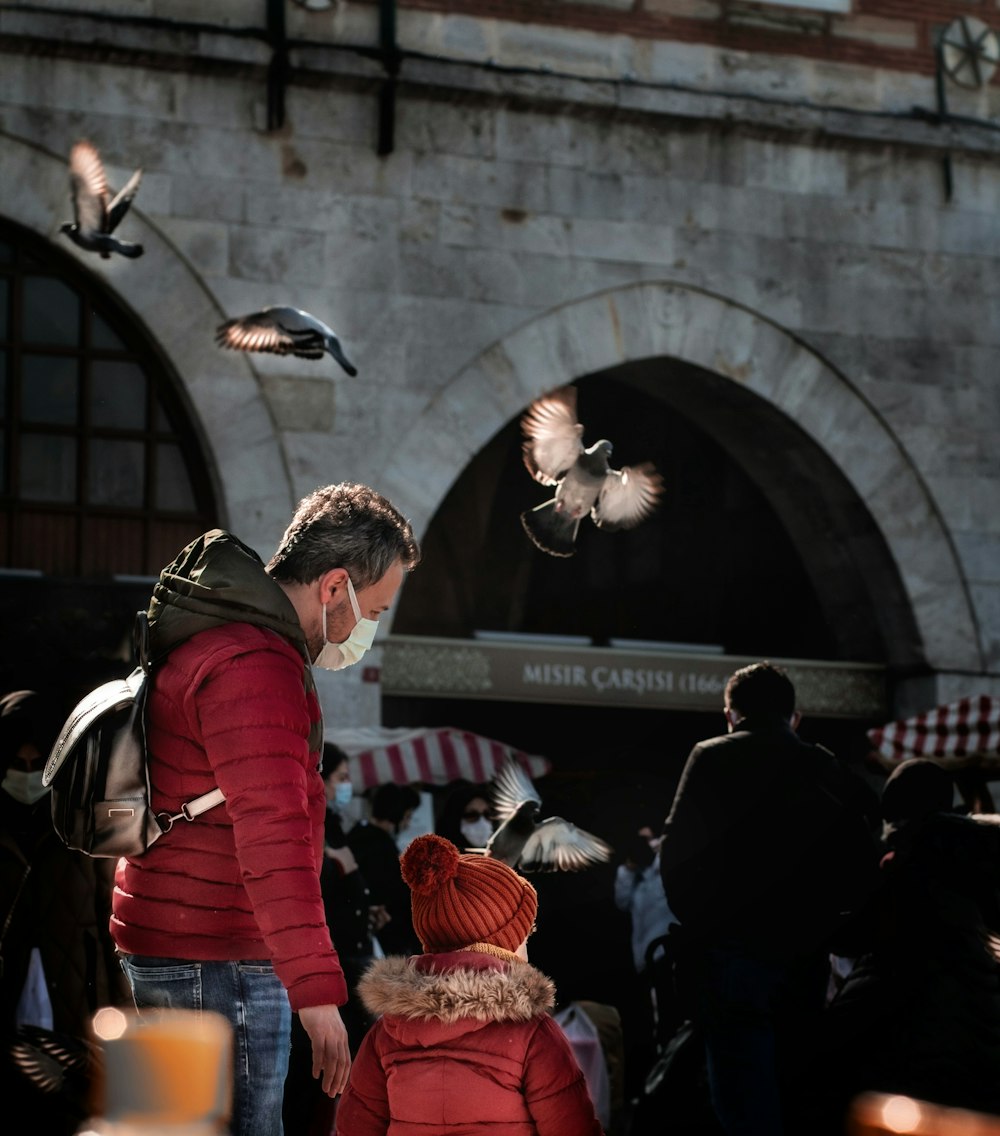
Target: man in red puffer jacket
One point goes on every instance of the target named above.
(226, 913)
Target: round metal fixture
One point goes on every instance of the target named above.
(970, 52)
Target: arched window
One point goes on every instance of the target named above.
(100, 470)
(102, 479)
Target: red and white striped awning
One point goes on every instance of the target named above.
(434, 756)
(962, 734)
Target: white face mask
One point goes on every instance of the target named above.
(24, 786)
(336, 656)
(477, 833)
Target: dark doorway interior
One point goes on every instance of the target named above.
(754, 553)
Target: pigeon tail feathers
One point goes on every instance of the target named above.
(551, 531)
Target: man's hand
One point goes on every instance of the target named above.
(330, 1052)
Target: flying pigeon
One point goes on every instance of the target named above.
(529, 844)
(283, 331)
(97, 213)
(584, 481)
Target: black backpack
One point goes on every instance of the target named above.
(97, 769)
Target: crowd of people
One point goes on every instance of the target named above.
(797, 937)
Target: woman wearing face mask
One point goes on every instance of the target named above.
(466, 816)
(58, 960)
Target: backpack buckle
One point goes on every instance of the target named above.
(166, 821)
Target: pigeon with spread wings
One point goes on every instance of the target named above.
(96, 212)
(526, 842)
(283, 331)
(584, 481)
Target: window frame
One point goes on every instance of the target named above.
(80, 536)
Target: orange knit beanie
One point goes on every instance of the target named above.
(461, 899)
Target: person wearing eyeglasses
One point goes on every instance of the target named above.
(466, 817)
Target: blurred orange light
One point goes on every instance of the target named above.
(901, 1114)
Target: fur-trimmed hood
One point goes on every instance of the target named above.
(453, 993)
(463, 1043)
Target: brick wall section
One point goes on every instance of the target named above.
(898, 34)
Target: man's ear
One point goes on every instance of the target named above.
(795, 719)
(329, 583)
(732, 718)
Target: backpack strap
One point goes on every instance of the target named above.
(140, 639)
(192, 809)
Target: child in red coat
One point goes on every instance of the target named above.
(465, 1042)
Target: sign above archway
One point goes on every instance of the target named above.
(608, 677)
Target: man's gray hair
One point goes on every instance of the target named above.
(346, 526)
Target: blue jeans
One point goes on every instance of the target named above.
(759, 1022)
(251, 998)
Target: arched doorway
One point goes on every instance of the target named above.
(759, 548)
(102, 478)
(724, 562)
(793, 523)
(846, 482)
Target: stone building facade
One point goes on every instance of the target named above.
(778, 221)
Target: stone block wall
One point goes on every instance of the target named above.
(761, 154)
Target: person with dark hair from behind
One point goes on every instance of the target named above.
(766, 845)
(466, 816)
(350, 915)
(59, 965)
(373, 843)
(917, 788)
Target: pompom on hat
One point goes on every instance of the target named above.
(461, 899)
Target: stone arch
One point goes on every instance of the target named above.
(229, 412)
(723, 347)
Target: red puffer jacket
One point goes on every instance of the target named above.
(465, 1045)
(229, 708)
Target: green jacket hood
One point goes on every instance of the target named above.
(218, 579)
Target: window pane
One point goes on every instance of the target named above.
(51, 312)
(48, 468)
(114, 471)
(173, 486)
(48, 389)
(117, 395)
(3, 385)
(102, 336)
(6, 253)
(4, 295)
